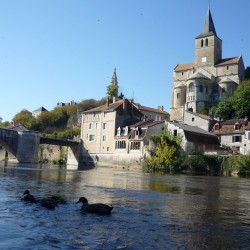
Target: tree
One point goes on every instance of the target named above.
(238, 105)
(112, 90)
(25, 118)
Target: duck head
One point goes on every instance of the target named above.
(82, 200)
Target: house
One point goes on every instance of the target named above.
(210, 78)
(204, 122)
(194, 138)
(38, 111)
(234, 134)
(117, 133)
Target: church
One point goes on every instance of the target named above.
(210, 78)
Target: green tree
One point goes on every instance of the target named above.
(25, 118)
(238, 105)
(112, 90)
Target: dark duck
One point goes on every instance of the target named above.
(97, 208)
(49, 202)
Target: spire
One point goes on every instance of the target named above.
(209, 24)
(114, 78)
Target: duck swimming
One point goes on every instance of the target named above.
(98, 208)
(49, 202)
(28, 197)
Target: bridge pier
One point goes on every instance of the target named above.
(28, 146)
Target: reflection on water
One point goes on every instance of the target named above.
(150, 211)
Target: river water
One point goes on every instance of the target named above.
(150, 211)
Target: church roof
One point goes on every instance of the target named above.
(208, 28)
(225, 80)
(226, 61)
(183, 67)
(197, 75)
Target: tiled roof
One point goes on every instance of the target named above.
(105, 107)
(206, 117)
(184, 67)
(228, 127)
(147, 123)
(197, 75)
(41, 109)
(226, 61)
(144, 108)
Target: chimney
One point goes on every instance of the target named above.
(107, 101)
(161, 108)
(125, 104)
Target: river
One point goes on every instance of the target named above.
(151, 211)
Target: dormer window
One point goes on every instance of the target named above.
(118, 131)
(137, 131)
(237, 126)
(217, 126)
(126, 131)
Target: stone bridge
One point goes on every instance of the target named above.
(24, 144)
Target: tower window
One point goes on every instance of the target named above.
(202, 43)
(178, 96)
(206, 41)
(200, 88)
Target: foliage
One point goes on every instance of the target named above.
(25, 118)
(112, 90)
(203, 111)
(166, 156)
(237, 106)
(242, 165)
(247, 73)
(69, 134)
(4, 124)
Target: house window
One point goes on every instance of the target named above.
(182, 73)
(236, 138)
(135, 145)
(104, 125)
(107, 148)
(193, 119)
(94, 114)
(137, 133)
(175, 132)
(227, 67)
(202, 43)
(91, 137)
(118, 131)
(120, 144)
(104, 138)
(90, 125)
(104, 114)
(249, 136)
(200, 88)
(191, 87)
(97, 125)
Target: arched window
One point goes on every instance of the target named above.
(191, 87)
(201, 42)
(206, 41)
(200, 88)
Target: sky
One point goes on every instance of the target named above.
(66, 50)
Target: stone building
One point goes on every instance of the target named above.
(117, 133)
(207, 80)
(234, 134)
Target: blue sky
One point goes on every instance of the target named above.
(62, 50)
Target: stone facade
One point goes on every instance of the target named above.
(209, 79)
(117, 133)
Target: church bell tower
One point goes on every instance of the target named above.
(208, 46)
